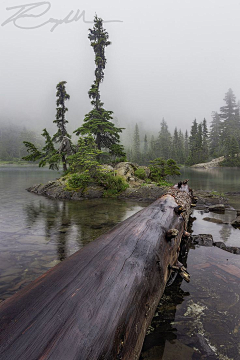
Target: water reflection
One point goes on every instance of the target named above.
(199, 320)
(217, 179)
(48, 231)
(221, 232)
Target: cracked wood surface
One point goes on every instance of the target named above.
(98, 303)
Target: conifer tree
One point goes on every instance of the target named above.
(175, 144)
(229, 115)
(193, 140)
(145, 149)
(205, 141)
(181, 157)
(136, 145)
(98, 121)
(215, 136)
(61, 135)
(163, 144)
(49, 154)
(186, 147)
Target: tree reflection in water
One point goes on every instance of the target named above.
(72, 225)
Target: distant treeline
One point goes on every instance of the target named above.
(11, 141)
(199, 145)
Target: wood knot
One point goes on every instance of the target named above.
(171, 234)
(179, 210)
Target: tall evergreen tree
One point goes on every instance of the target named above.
(49, 154)
(61, 135)
(152, 149)
(199, 144)
(145, 149)
(227, 114)
(193, 140)
(215, 136)
(175, 144)
(136, 145)
(181, 157)
(145, 155)
(163, 144)
(98, 121)
(186, 147)
(205, 140)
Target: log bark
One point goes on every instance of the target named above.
(98, 303)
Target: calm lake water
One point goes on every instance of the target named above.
(200, 320)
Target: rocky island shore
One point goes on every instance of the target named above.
(138, 189)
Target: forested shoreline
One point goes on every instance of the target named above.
(201, 144)
(12, 148)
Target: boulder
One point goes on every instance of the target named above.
(219, 208)
(93, 192)
(231, 249)
(236, 222)
(213, 220)
(203, 239)
(220, 245)
(126, 170)
(143, 193)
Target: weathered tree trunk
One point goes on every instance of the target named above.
(98, 303)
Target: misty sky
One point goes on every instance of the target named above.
(169, 58)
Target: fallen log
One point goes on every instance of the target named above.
(98, 303)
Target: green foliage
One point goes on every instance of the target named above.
(171, 168)
(163, 144)
(49, 155)
(225, 131)
(136, 146)
(34, 153)
(86, 156)
(198, 143)
(231, 162)
(161, 169)
(60, 120)
(217, 194)
(140, 173)
(79, 180)
(111, 182)
(164, 183)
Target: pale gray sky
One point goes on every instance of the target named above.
(169, 58)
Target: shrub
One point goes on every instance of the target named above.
(161, 169)
(140, 173)
(79, 180)
(114, 183)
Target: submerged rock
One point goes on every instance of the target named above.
(213, 220)
(219, 208)
(236, 222)
(231, 249)
(203, 239)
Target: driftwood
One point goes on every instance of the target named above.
(98, 303)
